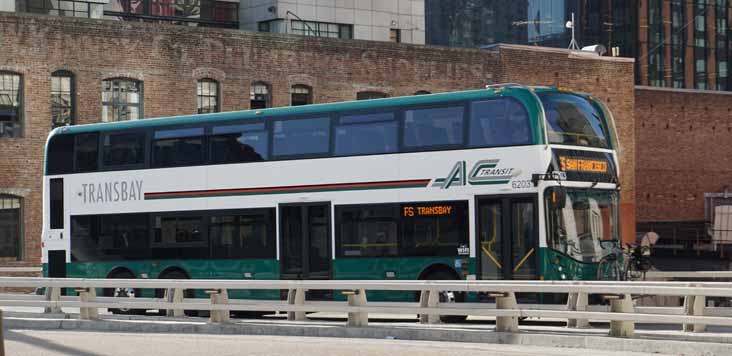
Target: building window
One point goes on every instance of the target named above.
(321, 29)
(207, 96)
(259, 96)
(58, 7)
(62, 98)
(723, 46)
(11, 105)
(367, 95)
(10, 226)
(121, 100)
(301, 95)
(655, 43)
(395, 35)
(678, 42)
(700, 44)
(208, 13)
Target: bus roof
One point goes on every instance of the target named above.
(492, 91)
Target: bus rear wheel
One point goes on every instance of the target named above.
(448, 296)
(187, 293)
(123, 293)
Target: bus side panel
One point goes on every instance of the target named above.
(566, 269)
(404, 268)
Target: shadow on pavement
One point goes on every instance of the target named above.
(52, 347)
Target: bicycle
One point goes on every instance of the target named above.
(626, 263)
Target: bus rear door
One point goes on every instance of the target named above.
(305, 251)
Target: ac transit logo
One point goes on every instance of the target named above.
(484, 172)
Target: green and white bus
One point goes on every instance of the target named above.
(507, 182)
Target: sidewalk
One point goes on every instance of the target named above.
(664, 341)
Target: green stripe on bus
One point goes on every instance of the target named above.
(490, 182)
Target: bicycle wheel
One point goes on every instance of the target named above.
(608, 269)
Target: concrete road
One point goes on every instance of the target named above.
(27, 343)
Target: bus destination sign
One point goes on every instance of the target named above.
(430, 210)
(584, 166)
(571, 164)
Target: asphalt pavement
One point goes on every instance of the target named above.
(79, 343)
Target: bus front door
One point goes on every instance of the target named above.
(305, 241)
(507, 238)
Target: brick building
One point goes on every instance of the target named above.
(682, 151)
(83, 70)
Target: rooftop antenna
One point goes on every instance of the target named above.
(572, 44)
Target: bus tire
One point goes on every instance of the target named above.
(448, 297)
(187, 293)
(123, 293)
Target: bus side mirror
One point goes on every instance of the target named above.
(559, 197)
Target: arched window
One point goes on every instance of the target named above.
(301, 95)
(11, 104)
(10, 226)
(260, 96)
(208, 96)
(62, 98)
(422, 92)
(366, 95)
(121, 99)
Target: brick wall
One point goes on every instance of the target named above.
(609, 79)
(169, 60)
(684, 149)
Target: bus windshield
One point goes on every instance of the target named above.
(588, 218)
(572, 120)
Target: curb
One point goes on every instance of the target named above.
(420, 333)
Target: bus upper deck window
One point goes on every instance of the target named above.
(301, 137)
(87, 152)
(433, 127)
(499, 122)
(370, 133)
(573, 120)
(177, 148)
(60, 158)
(239, 143)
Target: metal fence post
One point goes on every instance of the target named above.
(694, 305)
(53, 294)
(506, 323)
(2, 335)
(174, 295)
(296, 297)
(88, 295)
(577, 302)
(622, 304)
(357, 299)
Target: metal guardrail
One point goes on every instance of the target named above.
(621, 313)
(695, 275)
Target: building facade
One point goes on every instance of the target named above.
(57, 70)
(205, 13)
(378, 20)
(676, 43)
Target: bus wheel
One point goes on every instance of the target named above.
(187, 293)
(123, 293)
(448, 296)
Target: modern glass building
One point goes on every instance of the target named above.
(676, 43)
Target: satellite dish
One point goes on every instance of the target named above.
(598, 49)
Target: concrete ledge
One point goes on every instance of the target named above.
(666, 342)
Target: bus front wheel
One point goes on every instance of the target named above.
(448, 296)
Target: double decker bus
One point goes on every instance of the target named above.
(507, 182)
